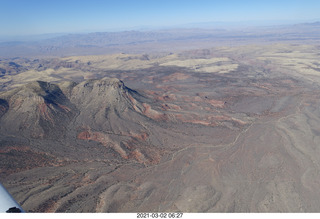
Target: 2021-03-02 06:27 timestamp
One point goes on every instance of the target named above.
(159, 215)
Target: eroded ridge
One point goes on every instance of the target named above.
(231, 129)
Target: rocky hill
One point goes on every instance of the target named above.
(103, 112)
(232, 129)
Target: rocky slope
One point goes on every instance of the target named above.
(46, 118)
(235, 130)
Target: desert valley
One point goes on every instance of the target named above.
(211, 124)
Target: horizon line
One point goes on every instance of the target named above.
(227, 25)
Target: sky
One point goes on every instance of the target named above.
(28, 17)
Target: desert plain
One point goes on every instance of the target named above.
(215, 129)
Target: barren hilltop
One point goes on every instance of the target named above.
(220, 129)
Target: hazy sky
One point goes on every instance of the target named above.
(20, 17)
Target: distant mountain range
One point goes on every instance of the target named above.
(167, 40)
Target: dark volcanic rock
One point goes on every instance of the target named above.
(4, 106)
